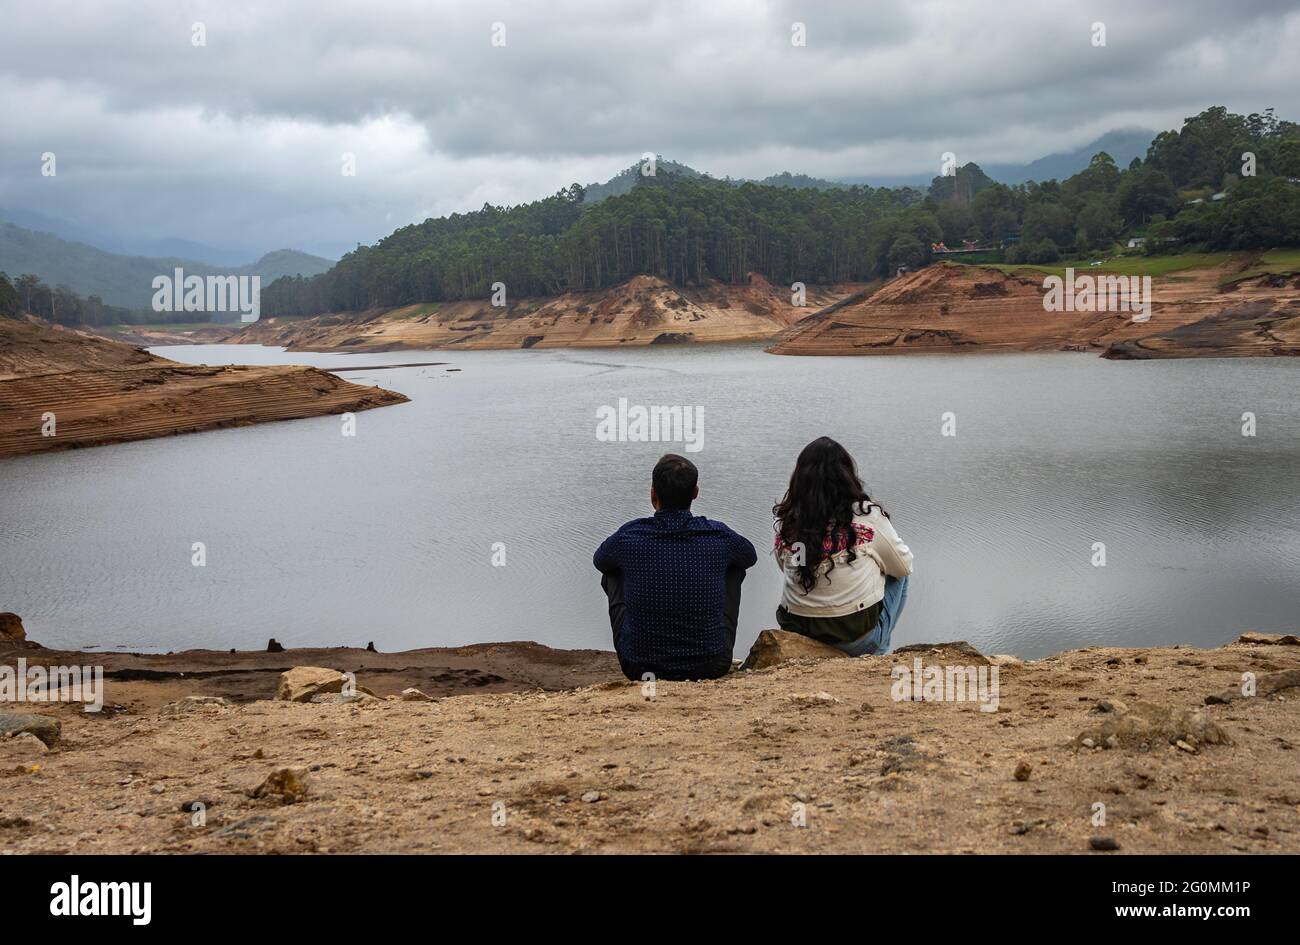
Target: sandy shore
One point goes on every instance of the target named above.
(87, 391)
(735, 765)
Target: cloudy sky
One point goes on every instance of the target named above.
(240, 142)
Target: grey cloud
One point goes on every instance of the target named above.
(245, 134)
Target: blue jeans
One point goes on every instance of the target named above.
(877, 641)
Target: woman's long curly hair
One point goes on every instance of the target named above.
(818, 508)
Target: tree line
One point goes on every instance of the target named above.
(1193, 190)
(60, 304)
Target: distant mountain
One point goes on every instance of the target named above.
(1123, 145)
(126, 280)
(158, 247)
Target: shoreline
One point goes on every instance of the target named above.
(805, 756)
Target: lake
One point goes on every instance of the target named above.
(317, 538)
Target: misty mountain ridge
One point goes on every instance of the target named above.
(1123, 145)
(126, 280)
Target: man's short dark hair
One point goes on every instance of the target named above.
(674, 481)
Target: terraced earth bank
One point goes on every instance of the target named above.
(953, 308)
(642, 311)
(60, 389)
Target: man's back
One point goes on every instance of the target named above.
(674, 568)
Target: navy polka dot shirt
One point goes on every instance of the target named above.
(674, 569)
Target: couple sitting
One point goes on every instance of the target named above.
(673, 581)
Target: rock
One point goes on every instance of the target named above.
(415, 695)
(44, 727)
(1005, 659)
(1180, 744)
(342, 698)
(1250, 639)
(302, 682)
(370, 647)
(1264, 686)
(22, 745)
(288, 785)
(1146, 724)
(1023, 770)
(11, 628)
(1111, 705)
(1103, 843)
(774, 647)
(196, 805)
(191, 703)
(591, 797)
(272, 646)
(958, 647)
(808, 700)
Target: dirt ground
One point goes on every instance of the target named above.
(803, 757)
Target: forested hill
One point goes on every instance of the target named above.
(124, 281)
(1189, 191)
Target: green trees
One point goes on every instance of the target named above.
(1145, 193)
(688, 228)
(11, 305)
(60, 304)
(683, 229)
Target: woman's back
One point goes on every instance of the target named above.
(851, 575)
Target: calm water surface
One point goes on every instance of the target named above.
(318, 539)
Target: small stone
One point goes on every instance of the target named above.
(1088, 743)
(11, 628)
(809, 699)
(1103, 843)
(191, 703)
(288, 785)
(158, 789)
(272, 646)
(415, 695)
(591, 797)
(1185, 747)
(342, 698)
(22, 745)
(1023, 770)
(196, 805)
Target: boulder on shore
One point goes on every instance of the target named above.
(286, 785)
(1247, 639)
(302, 682)
(11, 628)
(44, 727)
(774, 647)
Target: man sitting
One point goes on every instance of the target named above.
(673, 583)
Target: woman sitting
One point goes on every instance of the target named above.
(845, 567)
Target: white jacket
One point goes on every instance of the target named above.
(849, 587)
